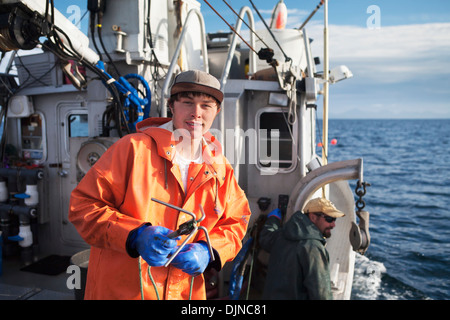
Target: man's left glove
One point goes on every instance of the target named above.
(193, 258)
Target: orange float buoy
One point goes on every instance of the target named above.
(333, 141)
(279, 16)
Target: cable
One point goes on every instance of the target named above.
(92, 29)
(157, 64)
(30, 75)
(311, 15)
(155, 73)
(231, 27)
(99, 31)
(264, 53)
(251, 30)
(320, 135)
(58, 48)
(270, 31)
(4, 119)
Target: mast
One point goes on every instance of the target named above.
(326, 72)
(325, 88)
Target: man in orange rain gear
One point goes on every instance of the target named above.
(176, 161)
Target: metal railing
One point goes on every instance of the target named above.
(173, 63)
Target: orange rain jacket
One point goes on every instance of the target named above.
(114, 198)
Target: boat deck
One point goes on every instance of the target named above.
(16, 284)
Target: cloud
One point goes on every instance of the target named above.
(399, 71)
(393, 54)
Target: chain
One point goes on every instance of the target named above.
(360, 191)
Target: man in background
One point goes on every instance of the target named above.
(299, 262)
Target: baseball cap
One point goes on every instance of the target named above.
(197, 81)
(323, 205)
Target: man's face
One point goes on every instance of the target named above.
(322, 224)
(194, 114)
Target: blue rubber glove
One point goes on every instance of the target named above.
(275, 213)
(153, 244)
(193, 258)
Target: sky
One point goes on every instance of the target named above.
(397, 50)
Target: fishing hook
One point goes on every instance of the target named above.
(189, 228)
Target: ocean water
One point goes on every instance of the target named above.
(407, 164)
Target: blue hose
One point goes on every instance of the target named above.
(237, 277)
(132, 99)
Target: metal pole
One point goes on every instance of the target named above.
(325, 89)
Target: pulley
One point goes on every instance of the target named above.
(267, 54)
(89, 153)
(20, 29)
(359, 234)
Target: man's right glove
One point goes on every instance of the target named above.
(153, 245)
(193, 258)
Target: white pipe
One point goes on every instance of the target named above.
(27, 236)
(4, 195)
(32, 191)
(320, 177)
(252, 58)
(173, 63)
(302, 136)
(226, 68)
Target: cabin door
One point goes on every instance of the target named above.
(73, 125)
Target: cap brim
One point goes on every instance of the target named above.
(334, 213)
(194, 87)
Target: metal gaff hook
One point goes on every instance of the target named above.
(188, 227)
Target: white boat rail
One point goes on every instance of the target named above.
(176, 54)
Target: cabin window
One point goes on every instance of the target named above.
(33, 139)
(78, 125)
(277, 150)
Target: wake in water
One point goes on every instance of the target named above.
(367, 278)
(371, 281)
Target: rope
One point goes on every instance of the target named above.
(141, 283)
(153, 282)
(140, 278)
(292, 115)
(190, 290)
